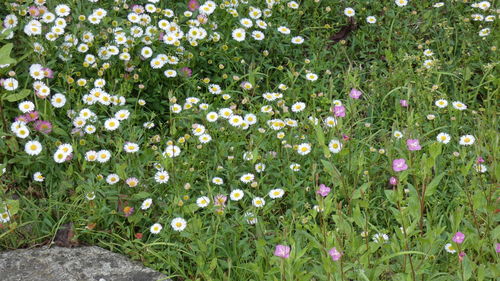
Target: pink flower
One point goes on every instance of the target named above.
(336, 255)
(404, 103)
(323, 190)
(49, 73)
(458, 238)
(128, 211)
(413, 144)
(282, 251)
(399, 165)
(186, 71)
(461, 256)
(33, 11)
(339, 111)
(220, 200)
(480, 159)
(43, 126)
(345, 137)
(23, 118)
(497, 247)
(393, 181)
(193, 5)
(32, 116)
(355, 93)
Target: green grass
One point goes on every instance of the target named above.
(441, 193)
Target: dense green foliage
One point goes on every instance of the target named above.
(360, 135)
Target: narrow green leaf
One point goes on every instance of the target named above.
(432, 186)
(18, 96)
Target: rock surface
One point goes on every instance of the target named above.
(72, 264)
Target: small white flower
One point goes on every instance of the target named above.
(258, 202)
(246, 178)
(156, 228)
(130, 147)
(484, 32)
(146, 204)
(38, 177)
(335, 146)
(33, 147)
(203, 201)
(295, 167)
(178, 224)
(397, 134)
(443, 138)
(401, 3)
(371, 19)
(298, 107)
(442, 103)
(467, 140)
(251, 218)
(239, 34)
(276, 193)
(449, 248)
(297, 40)
(459, 105)
(311, 77)
(284, 30)
(26, 106)
(237, 194)
(380, 238)
(304, 148)
(111, 124)
(172, 151)
(217, 181)
(162, 177)
(349, 12)
(112, 178)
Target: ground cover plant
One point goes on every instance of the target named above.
(255, 140)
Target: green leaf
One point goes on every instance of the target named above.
(435, 149)
(320, 136)
(59, 131)
(467, 268)
(399, 254)
(432, 186)
(358, 218)
(18, 96)
(5, 54)
(391, 196)
(120, 170)
(141, 195)
(330, 169)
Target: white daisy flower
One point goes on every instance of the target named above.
(156, 228)
(371, 19)
(178, 224)
(258, 202)
(33, 147)
(467, 140)
(349, 12)
(203, 201)
(237, 194)
(239, 34)
(304, 148)
(146, 204)
(443, 138)
(276, 193)
(247, 178)
(162, 177)
(335, 146)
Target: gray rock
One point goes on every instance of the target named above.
(72, 264)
